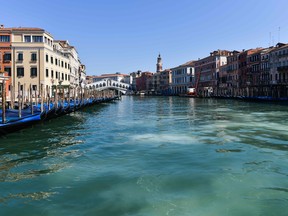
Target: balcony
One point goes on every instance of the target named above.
(282, 55)
(282, 69)
(273, 82)
(6, 61)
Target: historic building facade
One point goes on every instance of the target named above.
(279, 70)
(144, 82)
(5, 56)
(264, 82)
(165, 81)
(116, 77)
(232, 79)
(183, 76)
(208, 69)
(75, 63)
(34, 60)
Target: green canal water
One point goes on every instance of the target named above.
(150, 156)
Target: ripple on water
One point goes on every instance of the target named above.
(150, 156)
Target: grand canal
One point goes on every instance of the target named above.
(150, 156)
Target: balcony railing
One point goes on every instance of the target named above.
(279, 82)
(282, 55)
(282, 69)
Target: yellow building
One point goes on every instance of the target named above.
(37, 60)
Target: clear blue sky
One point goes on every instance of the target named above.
(127, 35)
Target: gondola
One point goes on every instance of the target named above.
(13, 125)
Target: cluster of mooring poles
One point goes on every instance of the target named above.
(32, 106)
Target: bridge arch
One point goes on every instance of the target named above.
(110, 84)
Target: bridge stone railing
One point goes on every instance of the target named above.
(110, 84)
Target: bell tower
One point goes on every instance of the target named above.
(159, 63)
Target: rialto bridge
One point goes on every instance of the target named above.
(110, 84)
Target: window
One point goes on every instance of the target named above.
(7, 57)
(33, 72)
(47, 58)
(47, 73)
(27, 38)
(33, 57)
(65, 76)
(34, 87)
(56, 75)
(51, 60)
(20, 56)
(52, 73)
(62, 76)
(56, 61)
(62, 64)
(20, 71)
(4, 38)
(8, 70)
(37, 39)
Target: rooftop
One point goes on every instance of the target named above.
(22, 29)
(110, 75)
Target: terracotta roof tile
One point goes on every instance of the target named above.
(26, 29)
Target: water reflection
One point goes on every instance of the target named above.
(34, 152)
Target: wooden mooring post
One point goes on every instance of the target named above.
(3, 101)
(19, 101)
